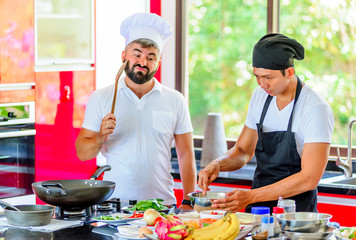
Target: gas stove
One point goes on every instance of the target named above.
(106, 208)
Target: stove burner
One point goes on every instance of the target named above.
(105, 206)
(114, 203)
(73, 214)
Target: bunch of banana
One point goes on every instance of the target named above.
(226, 228)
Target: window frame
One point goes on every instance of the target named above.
(182, 55)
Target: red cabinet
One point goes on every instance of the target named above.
(61, 98)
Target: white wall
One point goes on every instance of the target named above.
(109, 42)
(168, 64)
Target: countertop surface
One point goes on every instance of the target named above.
(87, 232)
(244, 176)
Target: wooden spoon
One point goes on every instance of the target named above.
(116, 82)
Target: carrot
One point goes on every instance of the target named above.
(208, 220)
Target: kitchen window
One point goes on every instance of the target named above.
(220, 39)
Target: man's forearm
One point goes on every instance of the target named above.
(188, 175)
(87, 148)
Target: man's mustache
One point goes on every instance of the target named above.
(138, 65)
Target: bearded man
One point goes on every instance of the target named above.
(136, 141)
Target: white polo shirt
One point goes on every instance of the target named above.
(313, 119)
(139, 150)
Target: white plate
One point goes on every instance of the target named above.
(125, 218)
(129, 236)
(130, 232)
(245, 218)
(140, 223)
(338, 236)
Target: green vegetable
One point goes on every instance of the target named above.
(147, 204)
(108, 218)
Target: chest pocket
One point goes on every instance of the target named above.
(162, 121)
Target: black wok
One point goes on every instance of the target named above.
(75, 194)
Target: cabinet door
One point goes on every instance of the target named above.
(61, 98)
(64, 32)
(16, 41)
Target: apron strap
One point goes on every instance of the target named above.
(297, 93)
(265, 107)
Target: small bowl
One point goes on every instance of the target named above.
(303, 222)
(210, 214)
(203, 202)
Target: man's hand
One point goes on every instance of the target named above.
(107, 127)
(186, 207)
(234, 200)
(208, 175)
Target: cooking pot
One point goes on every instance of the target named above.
(75, 194)
(28, 215)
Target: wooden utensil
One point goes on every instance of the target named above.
(116, 82)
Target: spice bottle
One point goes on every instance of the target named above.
(268, 225)
(276, 211)
(257, 214)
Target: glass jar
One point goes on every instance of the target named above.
(257, 214)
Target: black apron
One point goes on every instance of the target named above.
(277, 158)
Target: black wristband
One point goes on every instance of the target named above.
(187, 202)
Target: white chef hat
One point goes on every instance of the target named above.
(146, 25)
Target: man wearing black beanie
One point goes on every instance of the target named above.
(288, 129)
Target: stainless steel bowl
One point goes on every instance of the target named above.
(303, 222)
(204, 202)
(324, 233)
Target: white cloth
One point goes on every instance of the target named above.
(313, 119)
(139, 150)
(54, 225)
(146, 25)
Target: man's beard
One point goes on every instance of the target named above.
(139, 77)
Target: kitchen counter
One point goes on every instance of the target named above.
(83, 232)
(86, 232)
(337, 200)
(244, 176)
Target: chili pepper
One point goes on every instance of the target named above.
(136, 215)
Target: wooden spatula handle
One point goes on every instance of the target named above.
(116, 82)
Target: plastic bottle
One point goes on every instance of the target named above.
(268, 225)
(257, 214)
(277, 227)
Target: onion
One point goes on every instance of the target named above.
(150, 216)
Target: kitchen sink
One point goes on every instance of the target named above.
(339, 182)
(349, 181)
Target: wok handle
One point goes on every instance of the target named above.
(54, 184)
(99, 171)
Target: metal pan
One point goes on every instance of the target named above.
(75, 194)
(29, 215)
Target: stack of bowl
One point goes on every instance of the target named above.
(305, 225)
